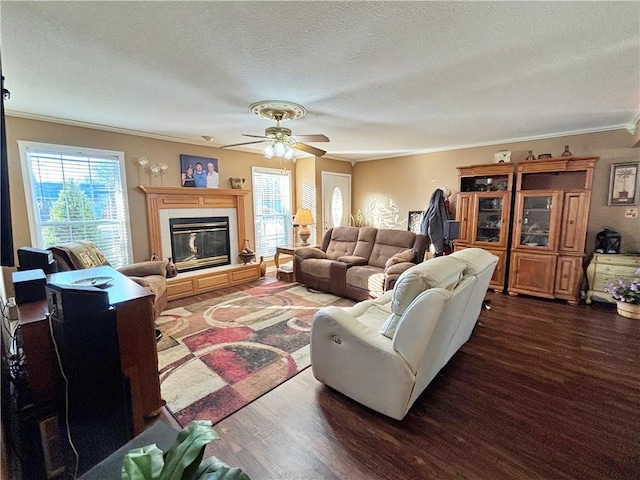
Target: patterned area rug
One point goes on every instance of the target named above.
(218, 355)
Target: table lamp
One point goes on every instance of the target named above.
(303, 218)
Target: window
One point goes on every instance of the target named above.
(272, 209)
(76, 193)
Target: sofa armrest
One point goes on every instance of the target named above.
(309, 252)
(398, 268)
(353, 358)
(142, 269)
(392, 274)
(335, 330)
(353, 260)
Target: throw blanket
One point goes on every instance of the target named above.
(81, 254)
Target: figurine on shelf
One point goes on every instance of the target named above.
(530, 155)
(172, 270)
(566, 152)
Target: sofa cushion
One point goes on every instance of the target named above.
(366, 240)
(353, 260)
(444, 272)
(343, 242)
(476, 259)
(403, 256)
(388, 243)
(366, 277)
(316, 267)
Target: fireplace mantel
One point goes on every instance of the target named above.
(183, 197)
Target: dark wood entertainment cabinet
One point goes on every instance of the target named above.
(136, 337)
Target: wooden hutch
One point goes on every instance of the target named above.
(483, 208)
(540, 240)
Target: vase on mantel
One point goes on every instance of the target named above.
(629, 310)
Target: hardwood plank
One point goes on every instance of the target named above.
(543, 390)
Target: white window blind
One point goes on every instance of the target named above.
(272, 209)
(76, 193)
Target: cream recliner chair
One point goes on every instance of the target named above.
(384, 352)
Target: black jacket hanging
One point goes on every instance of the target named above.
(433, 220)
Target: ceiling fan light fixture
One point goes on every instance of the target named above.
(288, 154)
(279, 148)
(268, 151)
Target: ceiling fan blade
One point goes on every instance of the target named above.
(309, 149)
(244, 143)
(254, 136)
(312, 138)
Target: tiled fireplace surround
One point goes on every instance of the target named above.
(164, 203)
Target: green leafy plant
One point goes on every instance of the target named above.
(183, 461)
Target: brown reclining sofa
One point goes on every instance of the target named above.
(358, 263)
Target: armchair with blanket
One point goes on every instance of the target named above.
(86, 254)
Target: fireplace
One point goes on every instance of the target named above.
(201, 242)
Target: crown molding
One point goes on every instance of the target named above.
(532, 138)
(629, 127)
(106, 128)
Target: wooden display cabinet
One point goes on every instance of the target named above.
(550, 226)
(483, 208)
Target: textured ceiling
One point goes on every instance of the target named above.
(380, 79)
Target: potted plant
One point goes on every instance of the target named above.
(183, 461)
(626, 293)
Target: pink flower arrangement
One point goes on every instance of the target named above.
(625, 290)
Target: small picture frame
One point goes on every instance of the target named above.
(415, 219)
(199, 171)
(502, 156)
(623, 184)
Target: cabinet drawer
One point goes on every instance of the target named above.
(621, 260)
(219, 280)
(245, 274)
(179, 287)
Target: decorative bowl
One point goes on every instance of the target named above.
(247, 257)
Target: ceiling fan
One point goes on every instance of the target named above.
(279, 137)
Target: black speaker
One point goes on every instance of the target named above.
(97, 396)
(451, 230)
(29, 286)
(30, 258)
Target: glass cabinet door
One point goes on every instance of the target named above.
(491, 211)
(537, 213)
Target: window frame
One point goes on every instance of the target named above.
(35, 231)
(288, 217)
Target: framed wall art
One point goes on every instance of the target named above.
(413, 224)
(623, 184)
(199, 171)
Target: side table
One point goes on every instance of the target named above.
(284, 273)
(605, 268)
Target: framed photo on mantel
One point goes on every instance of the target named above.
(623, 184)
(199, 171)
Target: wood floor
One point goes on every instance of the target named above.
(542, 390)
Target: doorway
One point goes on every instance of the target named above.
(336, 200)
